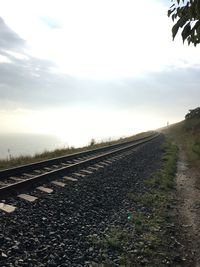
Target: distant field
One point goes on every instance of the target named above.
(21, 160)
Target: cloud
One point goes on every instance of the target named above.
(30, 82)
(168, 92)
(33, 84)
(9, 39)
(24, 79)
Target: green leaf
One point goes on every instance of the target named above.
(197, 28)
(173, 17)
(186, 15)
(181, 22)
(186, 32)
(175, 30)
(170, 12)
(192, 11)
(198, 7)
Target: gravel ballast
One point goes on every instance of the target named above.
(56, 229)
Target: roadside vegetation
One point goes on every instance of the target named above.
(187, 135)
(149, 230)
(21, 160)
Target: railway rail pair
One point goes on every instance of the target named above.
(15, 180)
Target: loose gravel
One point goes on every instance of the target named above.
(56, 229)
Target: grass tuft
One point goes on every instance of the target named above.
(187, 135)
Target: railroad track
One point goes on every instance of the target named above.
(59, 171)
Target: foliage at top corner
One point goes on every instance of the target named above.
(186, 17)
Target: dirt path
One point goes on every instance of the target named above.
(188, 189)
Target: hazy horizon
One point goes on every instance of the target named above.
(27, 144)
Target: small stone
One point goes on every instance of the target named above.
(15, 248)
(177, 258)
(91, 249)
(3, 255)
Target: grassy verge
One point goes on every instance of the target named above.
(187, 135)
(17, 161)
(147, 237)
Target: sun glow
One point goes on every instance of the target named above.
(75, 126)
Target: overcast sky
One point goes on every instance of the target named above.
(93, 68)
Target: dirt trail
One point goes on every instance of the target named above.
(188, 189)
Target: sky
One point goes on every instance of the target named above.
(92, 69)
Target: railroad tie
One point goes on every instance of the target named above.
(78, 174)
(99, 166)
(64, 164)
(70, 178)
(86, 171)
(45, 189)
(55, 166)
(93, 169)
(108, 161)
(2, 184)
(16, 179)
(28, 175)
(104, 163)
(27, 197)
(48, 169)
(58, 183)
(7, 208)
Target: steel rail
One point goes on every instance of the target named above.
(57, 160)
(11, 189)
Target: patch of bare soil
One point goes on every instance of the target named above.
(188, 192)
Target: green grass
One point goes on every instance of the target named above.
(164, 179)
(196, 148)
(21, 160)
(187, 135)
(149, 235)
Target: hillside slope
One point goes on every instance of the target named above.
(187, 134)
